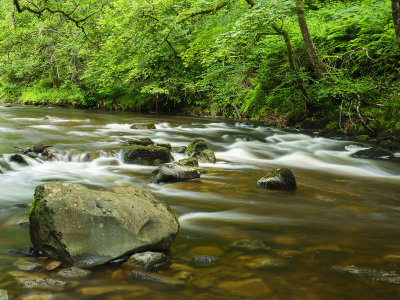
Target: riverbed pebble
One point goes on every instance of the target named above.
(148, 261)
(53, 265)
(74, 273)
(204, 260)
(246, 288)
(27, 265)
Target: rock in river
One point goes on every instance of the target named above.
(199, 149)
(148, 261)
(87, 227)
(175, 172)
(147, 155)
(279, 179)
(148, 125)
(373, 153)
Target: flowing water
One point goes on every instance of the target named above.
(335, 237)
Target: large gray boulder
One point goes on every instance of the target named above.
(199, 149)
(279, 179)
(86, 227)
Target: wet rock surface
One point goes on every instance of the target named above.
(148, 261)
(147, 125)
(147, 155)
(74, 273)
(205, 260)
(279, 179)
(191, 162)
(369, 275)
(175, 172)
(87, 227)
(373, 153)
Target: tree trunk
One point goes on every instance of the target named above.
(319, 68)
(13, 18)
(292, 66)
(396, 19)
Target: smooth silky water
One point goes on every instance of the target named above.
(344, 213)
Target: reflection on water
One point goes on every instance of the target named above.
(335, 237)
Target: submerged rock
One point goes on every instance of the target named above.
(250, 288)
(261, 263)
(373, 153)
(205, 260)
(249, 245)
(87, 227)
(175, 172)
(200, 150)
(145, 276)
(27, 265)
(368, 274)
(74, 273)
(147, 155)
(279, 179)
(148, 261)
(148, 125)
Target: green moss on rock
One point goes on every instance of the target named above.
(279, 179)
(146, 155)
(200, 150)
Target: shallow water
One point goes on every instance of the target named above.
(344, 213)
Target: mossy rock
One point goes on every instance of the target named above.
(191, 162)
(138, 142)
(147, 155)
(279, 179)
(165, 145)
(200, 150)
(148, 125)
(373, 153)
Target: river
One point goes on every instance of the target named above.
(335, 237)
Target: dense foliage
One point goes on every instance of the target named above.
(224, 58)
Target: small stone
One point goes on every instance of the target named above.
(279, 179)
(148, 261)
(3, 295)
(246, 288)
(204, 260)
(179, 267)
(53, 265)
(266, 263)
(73, 273)
(183, 275)
(199, 149)
(26, 265)
(145, 276)
(39, 282)
(101, 290)
(249, 245)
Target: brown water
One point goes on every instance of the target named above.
(335, 237)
